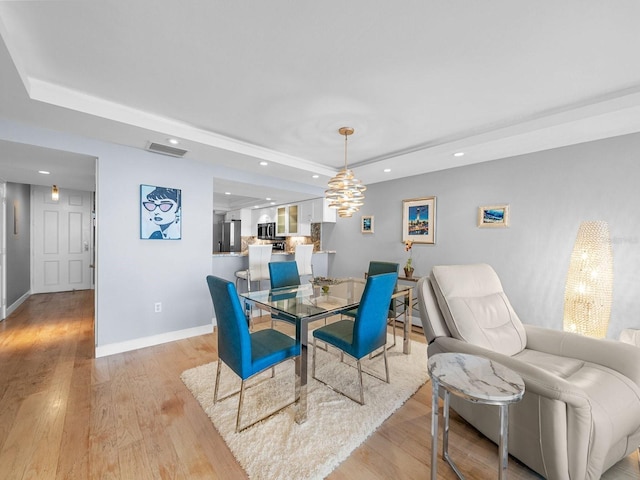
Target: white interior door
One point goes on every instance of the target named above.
(61, 238)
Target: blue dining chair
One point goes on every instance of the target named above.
(376, 268)
(283, 274)
(247, 354)
(364, 335)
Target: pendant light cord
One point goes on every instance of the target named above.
(345, 150)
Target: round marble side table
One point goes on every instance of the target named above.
(478, 380)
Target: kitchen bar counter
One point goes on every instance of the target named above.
(274, 252)
(225, 265)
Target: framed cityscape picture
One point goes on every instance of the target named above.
(160, 213)
(419, 220)
(366, 225)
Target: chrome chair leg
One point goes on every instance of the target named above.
(360, 372)
(394, 320)
(361, 384)
(386, 364)
(313, 359)
(240, 406)
(215, 391)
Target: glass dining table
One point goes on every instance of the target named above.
(304, 304)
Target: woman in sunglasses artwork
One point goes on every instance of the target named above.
(160, 213)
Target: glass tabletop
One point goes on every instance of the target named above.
(304, 301)
(307, 300)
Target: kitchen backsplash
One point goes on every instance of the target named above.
(290, 242)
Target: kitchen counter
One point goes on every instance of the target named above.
(225, 265)
(274, 252)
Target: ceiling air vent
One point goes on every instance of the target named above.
(166, 150)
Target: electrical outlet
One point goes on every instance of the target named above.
(157, 307)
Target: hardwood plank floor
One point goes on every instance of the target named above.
(65, 415)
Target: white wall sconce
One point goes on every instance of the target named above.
(55, 193)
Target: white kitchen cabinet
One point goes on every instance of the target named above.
(262, 215)
(305, 217)
(288, 221)
(322, 213)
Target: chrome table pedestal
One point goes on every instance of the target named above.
(478, 380)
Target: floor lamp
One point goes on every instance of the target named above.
(587, 297)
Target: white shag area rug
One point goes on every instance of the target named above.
(278, 447)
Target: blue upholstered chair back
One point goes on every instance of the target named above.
(376, 268)
(284, 274)
(370, 328)
(234, 341)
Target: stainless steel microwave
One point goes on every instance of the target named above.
(267, 231)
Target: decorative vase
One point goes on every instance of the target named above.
(408, 272)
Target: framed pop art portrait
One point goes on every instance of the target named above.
(160, 213)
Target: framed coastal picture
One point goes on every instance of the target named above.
(419, 220)
(493, 216)
(366, 224)
(160, 213)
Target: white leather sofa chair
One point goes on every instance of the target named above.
(581, 410)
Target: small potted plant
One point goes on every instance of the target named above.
(408, 267)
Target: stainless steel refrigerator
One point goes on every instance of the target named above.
(229, 236)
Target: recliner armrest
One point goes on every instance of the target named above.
(618, 356)
(536, 380)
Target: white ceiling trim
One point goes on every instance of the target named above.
(628, 99)
(75, 100)
(4, 33)
(566, 115)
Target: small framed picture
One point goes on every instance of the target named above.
(493, 216)
(419, 220)
(366, 225)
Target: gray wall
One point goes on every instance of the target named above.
(18, 244)
(550, 193)
(132, 274)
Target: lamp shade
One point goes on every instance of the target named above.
(588, 292)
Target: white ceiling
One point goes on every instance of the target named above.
(241, 82)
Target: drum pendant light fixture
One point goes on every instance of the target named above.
(345, 191)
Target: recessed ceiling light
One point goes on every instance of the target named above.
(44, 172)
(227, 193)
(173, 141)
(386, 170)
(268, 198)
(256, 206)
(315, 176)
(263, 163)
(272, 203)
(458, 154)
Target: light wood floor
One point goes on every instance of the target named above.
(66, 415)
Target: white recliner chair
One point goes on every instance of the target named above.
(581, 410)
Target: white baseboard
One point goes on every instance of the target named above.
(113, 348)
(11, 308)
